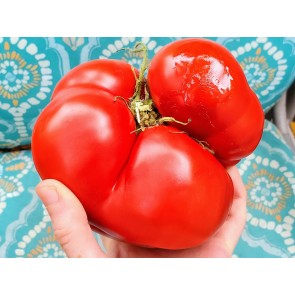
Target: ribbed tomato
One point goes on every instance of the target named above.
(156, 187)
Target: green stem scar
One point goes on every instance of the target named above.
(141, 104)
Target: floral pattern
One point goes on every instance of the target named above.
(17, 77)
(268, 64)
(269, 177)
(27, 79)
(26, 229)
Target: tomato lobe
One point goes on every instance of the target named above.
(200, 80)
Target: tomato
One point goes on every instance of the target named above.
(200, 80)
(154, 186)
(152, 190)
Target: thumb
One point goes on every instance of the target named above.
(69, 220)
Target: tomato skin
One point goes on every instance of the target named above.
(112, 76)
(83, 141)
(200, 80)
(152, 190)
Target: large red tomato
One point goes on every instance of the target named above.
(156, 188)
(200, 80)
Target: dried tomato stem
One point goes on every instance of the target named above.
(141, 105)
(141, 48)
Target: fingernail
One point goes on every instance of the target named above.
(48, 194)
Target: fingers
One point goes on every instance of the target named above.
(69, 220)
(233, 227)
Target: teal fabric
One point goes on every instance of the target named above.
(268, 63)
(25, 227)
(268, 173)
(31, 67)
(269, 176)
(29, 70)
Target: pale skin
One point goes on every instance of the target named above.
(74, 234)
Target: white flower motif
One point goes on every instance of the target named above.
(270, 182)
(13, 77)
(261, 77)
(51, 250)
(24, 73)
(266, 192)
(254, 74)
(269, 185)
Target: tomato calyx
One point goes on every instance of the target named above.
(140, 104)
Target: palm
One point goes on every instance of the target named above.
(212, 248)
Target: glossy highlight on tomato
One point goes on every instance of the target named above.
(200, 80)
(156, 186)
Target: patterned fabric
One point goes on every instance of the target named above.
(28, 74)
(269, 176)
(268, 173)
(268, 63)
(31, 67)
(25, 229)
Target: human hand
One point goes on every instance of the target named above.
(74, 234)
